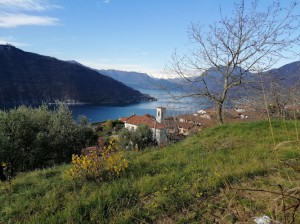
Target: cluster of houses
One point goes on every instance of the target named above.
(163, 126)
(181, 125)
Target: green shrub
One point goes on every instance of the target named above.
(139, 139)
(99, 163)
(35, 138)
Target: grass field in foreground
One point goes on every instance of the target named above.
(225, 174)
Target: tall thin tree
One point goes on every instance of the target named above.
(223, 54)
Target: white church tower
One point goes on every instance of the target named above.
(160, 114)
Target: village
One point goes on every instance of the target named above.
(168, 129)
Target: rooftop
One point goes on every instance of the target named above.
(145, 119)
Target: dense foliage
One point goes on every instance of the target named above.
(34, 138)
(108, 128)
(99, 163)
(203, 179)
(139, 139)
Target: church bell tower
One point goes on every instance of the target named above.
(160, 114)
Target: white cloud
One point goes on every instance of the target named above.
(8, 20)
(28, 5)
(10, 40)
(106, 1)
(15, 13)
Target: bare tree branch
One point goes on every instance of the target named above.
(224, 53)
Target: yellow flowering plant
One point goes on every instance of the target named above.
(107, 161)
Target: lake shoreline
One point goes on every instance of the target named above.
(108, 111)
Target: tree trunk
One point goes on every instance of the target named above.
(219, 112)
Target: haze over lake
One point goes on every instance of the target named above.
(98, 113)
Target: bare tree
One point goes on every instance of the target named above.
(224, 54)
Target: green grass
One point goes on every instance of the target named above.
(195, 181)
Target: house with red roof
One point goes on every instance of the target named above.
(157, 124)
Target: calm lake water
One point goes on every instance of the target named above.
(97, 113)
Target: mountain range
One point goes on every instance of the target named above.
(29, 78)
(285, 76)
(138, 80)
(282, 78)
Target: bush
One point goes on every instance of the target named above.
(36, 138)
(99, 163)
(108, 127)
(125, 137)
(143, 137)
(139, 139)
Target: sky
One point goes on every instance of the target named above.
(129, 35)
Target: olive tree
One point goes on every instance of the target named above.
(222, 55)
(141, 138)
(36, 138)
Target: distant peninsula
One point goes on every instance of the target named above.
(31, 79)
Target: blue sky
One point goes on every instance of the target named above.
(131, 35)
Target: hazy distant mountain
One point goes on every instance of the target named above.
(138, 80)
(215, 81)
(28, 78)
(286, 77)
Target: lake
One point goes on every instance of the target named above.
(98, 113)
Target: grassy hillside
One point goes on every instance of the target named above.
(219, 175)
